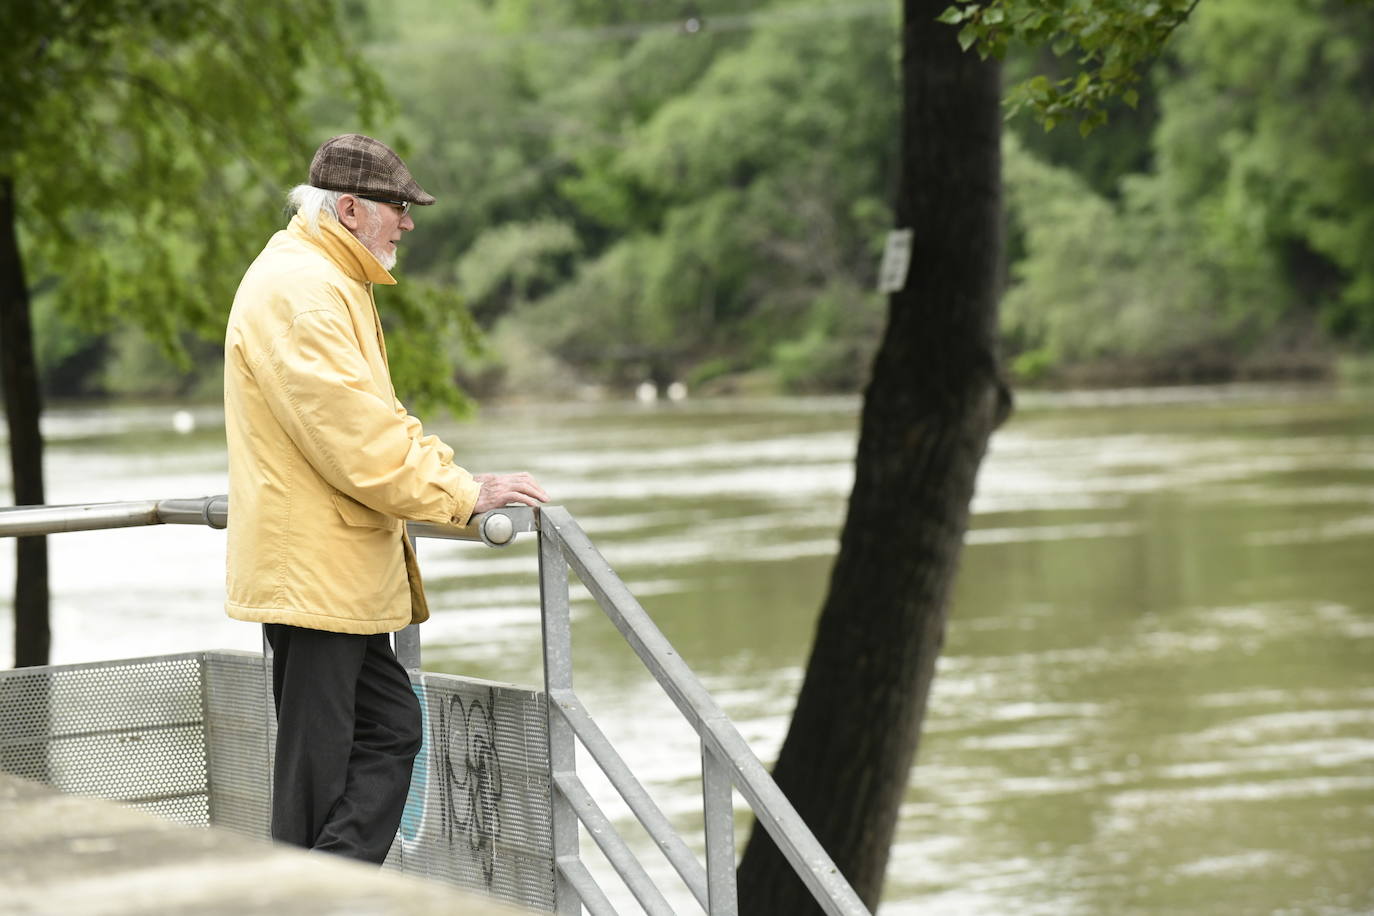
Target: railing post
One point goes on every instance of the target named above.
(557, 632)
(718, 806)
(408, 637)
(269, 720)
(408, 647)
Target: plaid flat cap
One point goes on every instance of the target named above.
(361, 165)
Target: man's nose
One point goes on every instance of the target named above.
(407, 223)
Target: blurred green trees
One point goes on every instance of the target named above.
(1269, 145)
(1246, 232)
(623, 196)
(635, 200)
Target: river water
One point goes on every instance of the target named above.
(1157, 692)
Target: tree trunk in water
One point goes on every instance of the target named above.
(934, 398)
(23, 404)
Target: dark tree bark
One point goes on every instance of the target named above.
(934, 398)
(23, 404)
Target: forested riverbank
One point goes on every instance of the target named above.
(628, 194)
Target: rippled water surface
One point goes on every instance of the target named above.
(1157, 693)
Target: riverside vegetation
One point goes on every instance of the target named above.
(627, 196)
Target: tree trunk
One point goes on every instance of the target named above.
(23, 404)
(933, 400)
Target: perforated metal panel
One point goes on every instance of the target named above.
(239, 734)
(129, 730)
(190, 737)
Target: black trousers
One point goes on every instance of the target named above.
(348, 730)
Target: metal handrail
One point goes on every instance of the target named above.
(650, 816)
(727, 761)
(30, 521)
(496, 528)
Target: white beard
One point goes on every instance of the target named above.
(388, 259)
(370, 241)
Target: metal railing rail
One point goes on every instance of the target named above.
(726, 759)
(496, 528)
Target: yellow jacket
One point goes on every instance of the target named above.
(324, 462)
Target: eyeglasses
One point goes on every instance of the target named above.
(402, 205)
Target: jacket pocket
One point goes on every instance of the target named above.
(359, 516)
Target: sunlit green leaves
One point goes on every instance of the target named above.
(1111, 42)
(150, 142)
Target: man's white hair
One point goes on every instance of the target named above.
(313, 203)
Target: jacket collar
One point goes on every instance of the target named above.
(343, 249)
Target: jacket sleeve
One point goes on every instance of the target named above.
(320, 389)
(417, 432)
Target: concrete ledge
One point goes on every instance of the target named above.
(69, 855)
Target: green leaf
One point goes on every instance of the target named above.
(952, 15)
(967, 36)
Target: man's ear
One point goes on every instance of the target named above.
(349, 212)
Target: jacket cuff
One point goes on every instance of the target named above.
(464, 501)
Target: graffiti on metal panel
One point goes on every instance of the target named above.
(472, 784)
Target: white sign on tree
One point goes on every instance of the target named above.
(896, 261)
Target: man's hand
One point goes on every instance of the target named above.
(503, 489)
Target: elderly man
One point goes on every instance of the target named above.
(324, 465)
